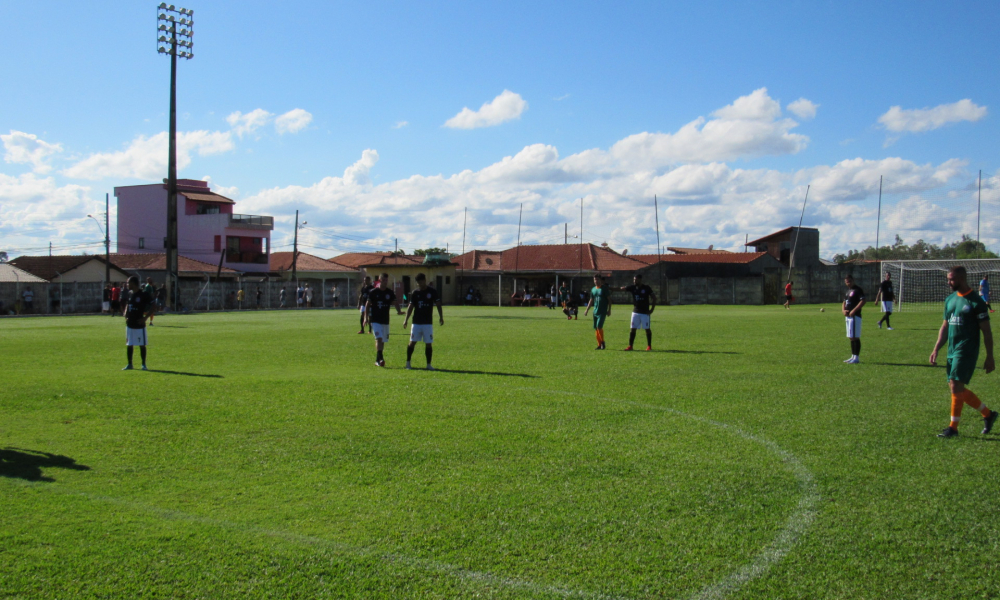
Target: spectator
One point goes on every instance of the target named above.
(470, 296)
(309, 296)
(281, 298)
(116, 292)
(259, 297)
(161, 296)
(299, 296)
(239, 298)
(106, 299)
(28, 299)
(335, 296)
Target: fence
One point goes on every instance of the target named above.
(83, 298)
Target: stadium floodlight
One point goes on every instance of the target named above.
(179, 41)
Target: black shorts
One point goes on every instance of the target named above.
(788, 297)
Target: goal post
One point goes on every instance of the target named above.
(922, 286)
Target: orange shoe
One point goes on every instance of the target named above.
(649, 348)
(628, 349)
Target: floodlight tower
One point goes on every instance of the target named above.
(175, 37)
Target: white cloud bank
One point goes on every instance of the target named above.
(250, 122)
(803, 109)
(146, 157)
(23, 147)
(505, 107)
(915, 120)
(293, 121)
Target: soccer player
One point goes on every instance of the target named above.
(984, 291)
(149, 289)
(853, 303)
(366, 289)
(106, 299)
(377, 313)
(965, 316)
(138, 305)
(788, 294)
(565, 301)
(600, 299)
(886, 296)
(643, 305)
(422, 303)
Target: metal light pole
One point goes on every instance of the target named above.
(175, 37)
(107, 245)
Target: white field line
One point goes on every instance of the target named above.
(795, 526)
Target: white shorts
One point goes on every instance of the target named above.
(853, 327)
(422, 333)
(887, 306)
(106, 305)
(640, 321)
(135, 337)
(380, 331)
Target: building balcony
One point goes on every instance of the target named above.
(251, 222)
(256, 258)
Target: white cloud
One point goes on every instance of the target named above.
(803, 109)
(505, 107)
(400, 124)
(293, 121)
(926, 119)
(146, 157)
(27, 148)
(36, 211)
(244, 124)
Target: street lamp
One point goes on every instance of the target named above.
(106, 230)
(175, 37)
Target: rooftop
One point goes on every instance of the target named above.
(282, 261)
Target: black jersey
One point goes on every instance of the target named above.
(365, 291)
(640, 298)
(137, 306)
(423, 302)
(854, 297)
(381, 300)
(886, 288)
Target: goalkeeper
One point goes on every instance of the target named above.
(965, 317)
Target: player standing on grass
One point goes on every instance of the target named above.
(366, 288)
(377, 313)
(600, 299)
(138, 304)
(886, 296)
(788, 294)
(965, 316)
(422, 303)
(984, 291)
(643, 305)
(852, 312)
(150, 289)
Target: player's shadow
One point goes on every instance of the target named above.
(28, 464)
(694, 351)
(497, 373)
(173, 326)
(924, 365)
(497, 317)
(185, 374)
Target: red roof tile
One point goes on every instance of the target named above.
(371, 259)
(696, 250)
(721, 258)
(555, 257)
(157, 261)
(479, 260)
(282, 261)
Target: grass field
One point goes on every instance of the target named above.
(265, 456)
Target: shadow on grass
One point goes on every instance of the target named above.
(185, 374)
(925, 365)
(460, 372)
(504, 317)
(28, 464)
(692, 351)
(174, 326)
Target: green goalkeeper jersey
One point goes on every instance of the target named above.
(602, 300)
(963, 314)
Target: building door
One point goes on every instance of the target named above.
(440, 285)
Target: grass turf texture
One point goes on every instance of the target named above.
(266, 456)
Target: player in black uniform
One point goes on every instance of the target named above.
(643, 304)
(138, 305)
(366, 288)
(853, 303)
(377, 314)
(422, 303)
(886, 296)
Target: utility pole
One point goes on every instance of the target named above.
(295, 249)
(107, 238)
(179, 43)
(565, 233)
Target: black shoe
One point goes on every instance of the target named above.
(949, 432)
(989, 421)
(599, 347)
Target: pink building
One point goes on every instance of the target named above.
(206, 225)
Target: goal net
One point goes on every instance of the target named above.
(922, 285)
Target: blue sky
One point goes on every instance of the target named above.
(611, 104)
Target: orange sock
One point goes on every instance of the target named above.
(600, 334)
(597, 333)
(973, 400)
(956, 410)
